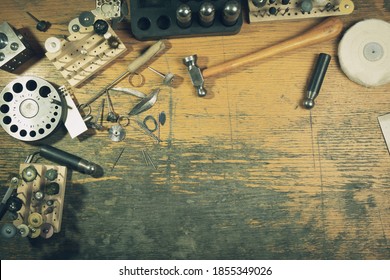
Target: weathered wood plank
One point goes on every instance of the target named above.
(245, 173)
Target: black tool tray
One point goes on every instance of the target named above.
(156, 19)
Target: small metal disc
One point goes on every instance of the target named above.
(35, 220)
(168, 79)
(117, 133)
(86, 19)
(24, 230)
(8, 231)
(39, 195)
(47, 230)
(100, 27)
(35, 232)
(14, 204)
(29, 174)
(74, 26)
(52, 188)
(51, 174)
(13, 215)
(113, 42)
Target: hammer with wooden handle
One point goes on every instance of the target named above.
(328, 29)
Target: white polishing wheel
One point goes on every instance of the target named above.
(364, 53)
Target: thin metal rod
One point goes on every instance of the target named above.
(150, 159)
(34, 18)
(157, 72)
(145, 159)
(103, 91)
(117, 159)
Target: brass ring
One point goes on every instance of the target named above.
(81, 106)
(139, 83)
(123, 118)
(148, 119)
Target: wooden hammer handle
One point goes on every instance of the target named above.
(328, 29)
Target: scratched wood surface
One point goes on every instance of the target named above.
(245, 173)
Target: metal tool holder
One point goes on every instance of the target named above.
(156, 19)
(286, 10)
(43, 199)
(83, 52)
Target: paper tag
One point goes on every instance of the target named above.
(384, 122)
(74, 122)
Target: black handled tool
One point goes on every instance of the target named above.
(72, 161)
(317, 79)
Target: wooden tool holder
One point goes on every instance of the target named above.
(293, 10)
(51, 215)
(83, 53)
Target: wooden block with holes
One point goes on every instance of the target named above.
(43, 198)
(297, 9)
(83, 53)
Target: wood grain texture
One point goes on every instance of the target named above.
(244, 173)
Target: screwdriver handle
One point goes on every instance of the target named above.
(326, 30)
(146, 56)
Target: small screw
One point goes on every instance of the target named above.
(167, 79)
(14, 180)
(75, 28)
(41, 24)
(14, 46)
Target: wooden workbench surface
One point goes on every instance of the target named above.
(244, 173)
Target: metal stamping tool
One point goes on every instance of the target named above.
(259, 3)
(206, 14)
(317, 79)
(184, 16)
(231, 12)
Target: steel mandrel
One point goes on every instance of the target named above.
(316, 80)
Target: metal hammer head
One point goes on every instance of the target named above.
(195, 74)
